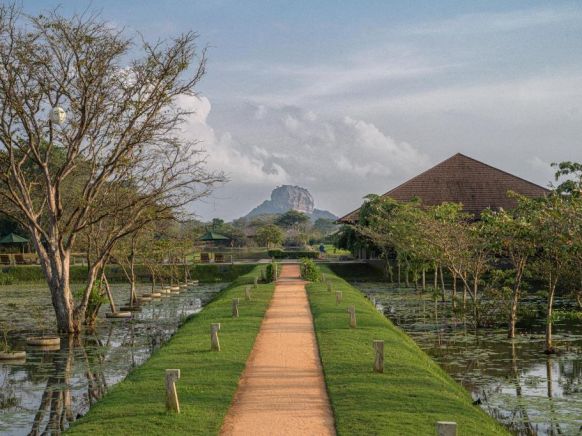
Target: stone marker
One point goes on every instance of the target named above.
(352, 312)
(445, 428)
(338, 297)
(172, 403)
(379, 357)
(235, 307)
(247, 292)
(214, 344)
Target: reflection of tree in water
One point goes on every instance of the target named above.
(8, 398)
(56, 402)
(93, 362)
(56, 399)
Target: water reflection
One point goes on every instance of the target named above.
(53, 388)
(531, 393)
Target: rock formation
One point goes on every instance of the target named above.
(288, 197)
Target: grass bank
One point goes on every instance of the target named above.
(412, 393)
(204, 272)
(208, 380)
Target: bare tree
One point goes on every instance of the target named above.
(116, 156)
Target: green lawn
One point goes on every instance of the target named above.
(412, 393)
(208, 380)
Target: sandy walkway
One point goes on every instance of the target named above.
(282, 391)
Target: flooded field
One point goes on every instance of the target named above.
(529, 392)
(53, 388)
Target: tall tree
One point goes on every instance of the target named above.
(121, 125)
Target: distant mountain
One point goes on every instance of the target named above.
(288, 197)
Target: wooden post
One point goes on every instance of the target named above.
(352, 312)
(247, 292)
(214, 344)
(379, 357)
(235, 307)
(338, 297)
(172, 403)
(446, 428)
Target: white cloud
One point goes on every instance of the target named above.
(487, 22)
(339, 159)
(224, 153)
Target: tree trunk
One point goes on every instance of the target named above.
(423, 279)
(514, 303)
(442, 281)
(109, 295)
(552, 289)
(436, 276)
(454, 296)
(55, 266)
(399, 278)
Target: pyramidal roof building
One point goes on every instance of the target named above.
(461, 179)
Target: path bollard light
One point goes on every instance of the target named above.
(446, 428)
(247, 292)
(379, 356)
(235, 307)
(338, 297)
(214, 329)
(352, 312)
(172, 403)
(329, 287)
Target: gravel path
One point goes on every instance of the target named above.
(282, 390)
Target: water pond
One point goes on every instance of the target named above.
(53, 388)
(529, 392)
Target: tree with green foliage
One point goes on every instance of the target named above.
(292, 218)
(120, 131)
(512, 236)
(270, 236)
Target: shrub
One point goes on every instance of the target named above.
(280, 254)
(271, 272)
(6, 279)
(309, 270)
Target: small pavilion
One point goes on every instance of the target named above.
(214, 239)
(12, 239)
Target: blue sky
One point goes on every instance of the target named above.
(350, 97)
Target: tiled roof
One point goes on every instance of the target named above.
(461, 179)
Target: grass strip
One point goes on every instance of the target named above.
(410, 396)
(208, 380)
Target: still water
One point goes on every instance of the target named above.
(529, 392)
(53, 388)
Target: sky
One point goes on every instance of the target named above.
(347, 98)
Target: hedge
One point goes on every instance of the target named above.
(280, 254)
(78, 273)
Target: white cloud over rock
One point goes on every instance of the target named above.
(338, 159)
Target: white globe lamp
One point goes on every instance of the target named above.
(58, 115)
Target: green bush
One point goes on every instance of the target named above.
(204, 273)
(6, 279)
(280, 254)
(272, 272)
(309, 270)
